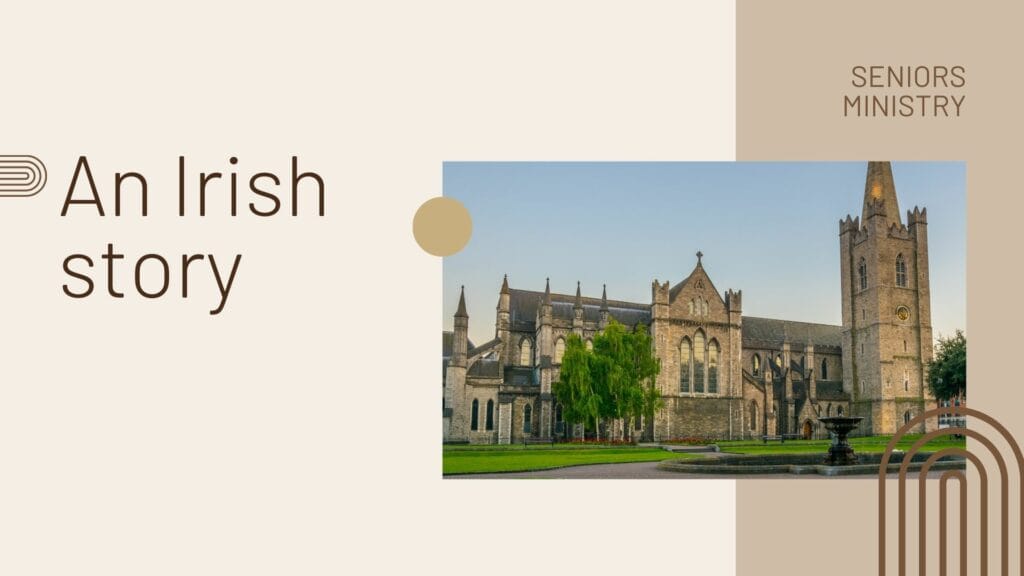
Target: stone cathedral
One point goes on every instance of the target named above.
(723, 375)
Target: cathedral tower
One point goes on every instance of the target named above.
(887, 335)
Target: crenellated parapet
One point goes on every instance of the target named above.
(900, 232)
(734, 300)
(659, 292)
(917, 216)
(849, 225)
(659, 300)
(853, 228)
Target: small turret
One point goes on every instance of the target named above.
(659, 300)
(503, 325)
(577, 312)
(604, 307)
(849, 225)
(461, 312)
(544, 310)
(734, 300)
(460, 337)
(504, 298)
(917, 216)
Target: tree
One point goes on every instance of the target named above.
(628, 369)
(614, 381)
(574, 390)
(947, 372)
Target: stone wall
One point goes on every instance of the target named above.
(711, 418)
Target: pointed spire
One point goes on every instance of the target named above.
(461, 312)
(880, 187)
(579, 297)
(504, 285)
(547, 291)
(604, 297)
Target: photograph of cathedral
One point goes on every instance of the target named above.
(724, 374)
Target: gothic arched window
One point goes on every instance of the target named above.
(685, 365)
(528, 419)
(559, 350)
(753, 416)
(862, 271)
(839, 410)
(906, 417)
(713, 367)
(755, 365)
(490, 415)
(474, 416)
(526, 352)
(824, 368)
(699, 351)
(901, 271)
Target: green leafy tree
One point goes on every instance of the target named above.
(575, 390)
(615, 381)
(628, 370)
(947, 372)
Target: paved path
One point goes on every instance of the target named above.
(649, 470)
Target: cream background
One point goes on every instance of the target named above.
(298, 432)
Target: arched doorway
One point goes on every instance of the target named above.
(808, 430)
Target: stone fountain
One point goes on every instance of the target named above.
(841, 461)
(840, 453)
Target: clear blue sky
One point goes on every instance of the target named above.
(769, 229)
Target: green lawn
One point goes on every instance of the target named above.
(518, 458)
(866, 444)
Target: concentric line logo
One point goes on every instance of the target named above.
(1004, 450)
(21, 175)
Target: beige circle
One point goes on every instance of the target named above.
(442, 226)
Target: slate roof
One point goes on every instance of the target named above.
(523, 306)
(761, 332)
(519, 376)
(484, 368)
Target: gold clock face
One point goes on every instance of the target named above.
(903, 313)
